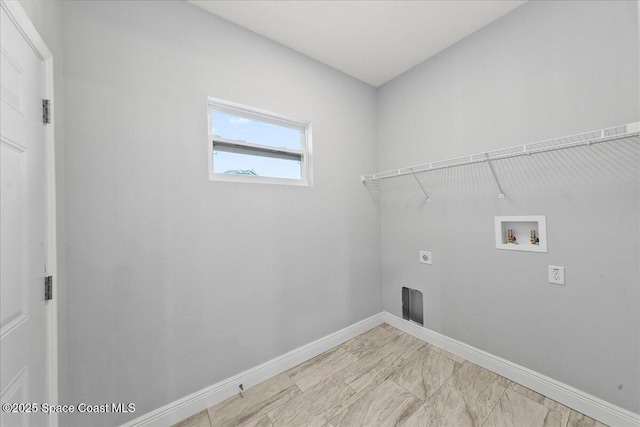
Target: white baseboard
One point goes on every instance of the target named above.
(589, 405)
(196, 402)
(580, 401)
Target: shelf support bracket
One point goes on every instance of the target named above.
(421, 186)
(495, 177)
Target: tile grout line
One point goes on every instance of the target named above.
(539, 403)
(256, 415)
(281, 404)
(366, 372)
(491, 408)
(427, 348)
(269, 418)
(323, 364)
(338, 378)
(494, 406)
(450, 358)
(417, 408)
(209, 417)
(407, 390)
(346, 407)
(411, 393)
(373, 367)
(566, 424)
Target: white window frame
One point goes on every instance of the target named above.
(303, 154)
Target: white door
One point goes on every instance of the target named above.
(23, 228)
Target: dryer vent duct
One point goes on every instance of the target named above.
(412, 305)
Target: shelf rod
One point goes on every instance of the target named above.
(421, 186)
(495, 177)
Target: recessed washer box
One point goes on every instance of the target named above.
(521, 228)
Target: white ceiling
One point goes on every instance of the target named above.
(373, 41)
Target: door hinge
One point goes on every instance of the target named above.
(46, 111)
(48, 288)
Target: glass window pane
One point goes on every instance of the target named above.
(245, 164)
(238, 128)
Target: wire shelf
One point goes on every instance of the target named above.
(622, 134)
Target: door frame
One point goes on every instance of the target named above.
(19, 17)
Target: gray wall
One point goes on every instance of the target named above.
(176, 282)
(547, 69)
(46, 18)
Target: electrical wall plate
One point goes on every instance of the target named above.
(556, 275)
(425, 257)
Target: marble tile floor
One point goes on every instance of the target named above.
(386, 377)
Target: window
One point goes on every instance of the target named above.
(250, 145)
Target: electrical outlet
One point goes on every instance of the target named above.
(556, 275)
(425, 257)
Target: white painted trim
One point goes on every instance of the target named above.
(306, 152)
(18, 16)
(580, 401)
(196, 402)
